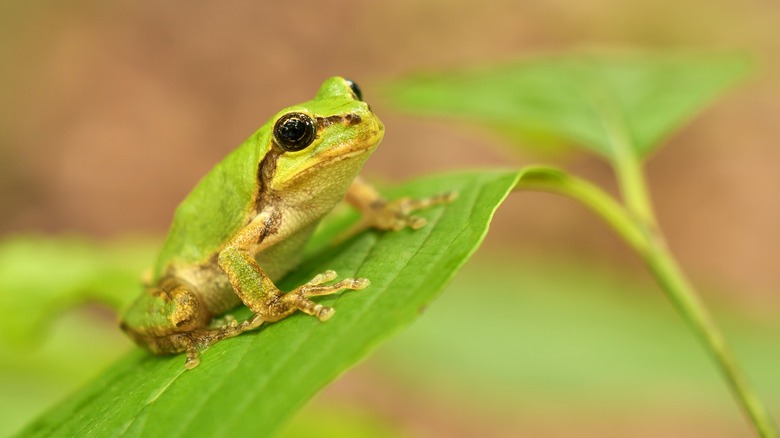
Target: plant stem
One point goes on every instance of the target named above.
(636, 224)
(660, 261)
(671, 279)
(554, 180)
(633, 186)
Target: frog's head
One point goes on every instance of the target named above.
(327, 138)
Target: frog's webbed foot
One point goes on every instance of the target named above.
(396, 215)
(299, 297)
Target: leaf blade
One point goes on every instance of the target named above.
(257, 380)
(580, 98)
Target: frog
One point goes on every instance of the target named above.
(244, 226)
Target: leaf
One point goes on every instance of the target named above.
(251, 384)
(602, 103)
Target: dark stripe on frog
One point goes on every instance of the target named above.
(265, 172)
(349, 119)
(272, 225)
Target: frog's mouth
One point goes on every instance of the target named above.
(345, 152)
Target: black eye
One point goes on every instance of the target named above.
(355, 89)
(294, 131)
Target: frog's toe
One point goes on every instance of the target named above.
(325, 277)
(357, 283)
(323, 313)
(193, 359)
(413, 222)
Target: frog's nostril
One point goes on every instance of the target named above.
(352, 119)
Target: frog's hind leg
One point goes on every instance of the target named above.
(160, 318)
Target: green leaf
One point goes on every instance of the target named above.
(603, 103)
(251, 384)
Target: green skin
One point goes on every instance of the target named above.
(244, 226)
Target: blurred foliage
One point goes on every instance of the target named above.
(338, 421)
(47, 348)
(562, 328)
(41, 276)
(79, 344)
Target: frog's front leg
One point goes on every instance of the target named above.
(258, 292)
(266, 301)
(393, 215)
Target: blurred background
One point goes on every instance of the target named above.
(112, 111)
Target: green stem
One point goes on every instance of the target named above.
(670, 277)
(636, 224)
(668, 274)
(665, 269)
(633, 186)
(553, 180)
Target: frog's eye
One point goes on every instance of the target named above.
(355, 89)
(294, 131)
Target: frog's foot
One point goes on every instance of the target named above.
(396, 215)
(227, 327)
(299, 297)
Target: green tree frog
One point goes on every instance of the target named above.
(245, 223)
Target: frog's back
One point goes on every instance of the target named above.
(216, 208)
